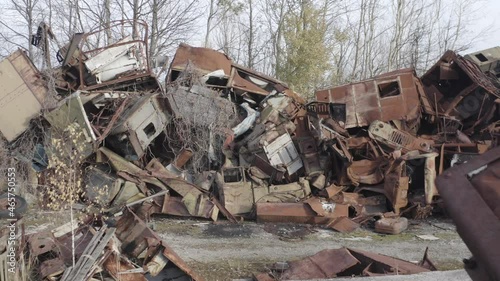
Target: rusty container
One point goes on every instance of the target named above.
(391, 225)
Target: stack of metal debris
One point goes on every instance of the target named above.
(220, 138)
(345, 262)
(107, 251)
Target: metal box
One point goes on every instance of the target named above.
(391, 225)
(22, 94)
(141, 124)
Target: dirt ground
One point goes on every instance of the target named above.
(223, 251)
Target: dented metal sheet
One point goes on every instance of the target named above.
(51, 268)
(235, 191)
(386, 265)
(119, 164)
(366, 171)
(398, 139)
(343, 225)
(291, 192)
(471, 194)
(299, 212)
(324, 264)
(468, 92)
(221, 72)
(195, 199)
(396, 185)
(204, 59)
(391, 96)
(332, 263)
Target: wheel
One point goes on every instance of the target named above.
(20, 208)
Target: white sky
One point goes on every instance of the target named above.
(488, 16)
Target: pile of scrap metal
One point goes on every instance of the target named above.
(221, 138)
(125, 249)
(344, 262)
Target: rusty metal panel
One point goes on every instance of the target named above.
(396, 186)
(235, 192)
(51, 268)
(398, 139)
(139, 125)
(274, 173)
(237, 82)
(297, 213)
(387, 265)
(136, 237)
(173, 206)
(324, 264)
(471, 194)
(306, 145)
(291, 192)
(64, 244)
(366, 171)
(454, 98)
(365, 100)
(302, 126)
(41, 243)
(238, 78)
(365, 206)
(405, 106)
(343, 225)
(311, 163)
(204, 59)
(22, 94)
(116, 266)
(336, 111)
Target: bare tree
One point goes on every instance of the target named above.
(20, 24)
(218, 12)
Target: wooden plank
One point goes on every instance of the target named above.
(3, 267)
(86, 271)
(88, 251)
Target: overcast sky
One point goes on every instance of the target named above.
(488, 16)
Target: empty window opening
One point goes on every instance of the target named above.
(481, 57)
(150, 130)
(233, 175)
(389, 89)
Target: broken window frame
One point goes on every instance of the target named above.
(388, 83)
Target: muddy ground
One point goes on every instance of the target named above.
(222, 251)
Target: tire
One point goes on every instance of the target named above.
(21, 207)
